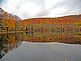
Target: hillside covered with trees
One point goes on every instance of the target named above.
(65, 29)
(8, 22)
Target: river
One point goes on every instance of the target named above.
(14, 48)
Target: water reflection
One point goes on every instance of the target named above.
(29, 51)
(9, 42)
(50, 37)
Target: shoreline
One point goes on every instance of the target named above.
(53, 43)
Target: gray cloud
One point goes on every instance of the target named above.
(43, 13)
(72, 6)
(39, 2)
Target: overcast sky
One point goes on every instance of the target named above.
(41, 8)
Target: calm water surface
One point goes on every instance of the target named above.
(14, 47)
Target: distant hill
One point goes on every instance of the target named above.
(65, 19)
(65, 29)
(72, 19)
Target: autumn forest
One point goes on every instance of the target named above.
(65, 29)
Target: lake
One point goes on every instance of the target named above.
(16, 47)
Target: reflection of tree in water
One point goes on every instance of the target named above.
(8, 42)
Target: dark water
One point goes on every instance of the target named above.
(14, 47)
